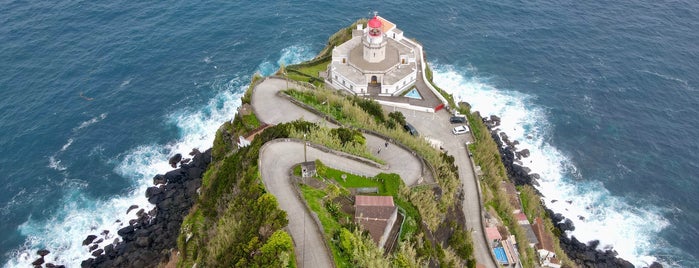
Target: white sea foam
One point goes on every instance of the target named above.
(80, 216)
(90, 122)
(596, 213)
(55, 164)
(289, 55)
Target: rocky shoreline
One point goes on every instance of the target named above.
(148, 240)
(583, 254)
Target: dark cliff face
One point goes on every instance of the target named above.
(147, 240)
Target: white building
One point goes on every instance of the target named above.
(376, 61)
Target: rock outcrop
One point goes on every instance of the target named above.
(148, 239)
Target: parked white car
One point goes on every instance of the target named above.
(460, 130)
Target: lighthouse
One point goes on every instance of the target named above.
(376, 61)
(373, 40)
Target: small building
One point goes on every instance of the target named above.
(521, 218)
(376, 214)
(377, 60)
(308, 169)
(493, 235)
(531, 237)
(547, 255)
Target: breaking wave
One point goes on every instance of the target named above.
(80, 216)
(597, 214)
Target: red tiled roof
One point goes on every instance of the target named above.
(521, 217)
(545, 239)
(492, 233)
(373, 212)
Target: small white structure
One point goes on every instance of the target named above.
(308, 169)
(376, 61)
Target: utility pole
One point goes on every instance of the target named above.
(304, 148)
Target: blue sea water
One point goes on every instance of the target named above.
(96, 95)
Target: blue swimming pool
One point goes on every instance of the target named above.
(413, 94)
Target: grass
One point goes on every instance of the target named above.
(313, 70)
(314, 198)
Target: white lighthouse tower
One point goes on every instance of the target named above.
(373, 40)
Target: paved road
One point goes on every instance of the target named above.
(275, 161)
(277, 158)
(437, 126)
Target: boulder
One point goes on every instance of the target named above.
(174, 160)
(43, 252)
(97, 252)
(152, 191)
(132, 207)
(88, 240)
(87, 263)
(159, 179)
(38, 261)
(93, 247)
(109, 250)
(524, 153)
(125, 231)
(174, 176)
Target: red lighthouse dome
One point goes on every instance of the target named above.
(374, 22)
(374, 26)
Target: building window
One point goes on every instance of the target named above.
(403, 61)
(344, 60)
(343, 82)
(352, 87)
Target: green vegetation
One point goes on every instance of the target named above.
(346, 140)
(425, 208)
(308, 71)
(353, 114)
(350, 247)
(486, 155)
(531, 205)
(235, 223)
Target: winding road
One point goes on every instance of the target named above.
(279, 156)
(276, 158)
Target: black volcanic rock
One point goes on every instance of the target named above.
(174, 160)
(584, 255)
(88, 240)
(97, 252)
(147, 238)
(43, 252)
(132, 207)
(126, 230)
(38, 261)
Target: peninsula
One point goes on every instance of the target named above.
(352, 159)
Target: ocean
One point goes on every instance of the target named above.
(97, 95)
